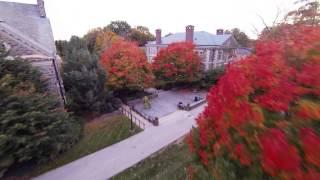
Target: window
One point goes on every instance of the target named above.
(220, 55)
(212, 55)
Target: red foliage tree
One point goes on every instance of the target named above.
(126, 66)
(177, 63)
(263, 117)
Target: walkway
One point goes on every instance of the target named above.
(114, 159)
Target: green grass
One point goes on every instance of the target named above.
(170, 163)
(97, 135)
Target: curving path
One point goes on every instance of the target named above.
(112, 160)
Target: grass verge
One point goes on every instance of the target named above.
(97, 135)
(169, 163)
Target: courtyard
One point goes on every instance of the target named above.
(166, 102)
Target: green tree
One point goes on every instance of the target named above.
(241, 37)
(141, 35)
(121, 28)
(83, 78)
(32, 124)
(61, 45)
(211, 77)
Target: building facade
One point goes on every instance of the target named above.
(26, 32)
(215, 50)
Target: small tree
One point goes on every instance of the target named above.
(84, 79)
(178, 63)
(127, 67)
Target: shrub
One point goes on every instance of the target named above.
(211, 77)
(263, 118)
(178, 63)
(32, 126)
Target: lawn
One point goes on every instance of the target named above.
(98, 134)
(169, 163)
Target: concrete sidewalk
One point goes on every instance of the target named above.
(114, 159)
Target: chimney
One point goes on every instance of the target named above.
(219, 31)
(158, 36)
(189, 33)
(42, 11)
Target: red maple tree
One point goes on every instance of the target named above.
(263, 117)
(177, 63)
(126, 66)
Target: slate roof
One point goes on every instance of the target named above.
(26, 20)
(199, 38)
(244, 51)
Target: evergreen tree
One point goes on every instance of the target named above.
(32, 124)
(61, 45)
(83, 78)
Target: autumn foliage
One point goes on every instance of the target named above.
(126, 66)
(177, 63)
(104, 40)
(263, 117)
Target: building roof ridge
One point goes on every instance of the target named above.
(23, 37)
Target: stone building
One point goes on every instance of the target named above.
(26, 32)
(215, 50)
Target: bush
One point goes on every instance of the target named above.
(32, 126)
(211, 77)
(263, 118)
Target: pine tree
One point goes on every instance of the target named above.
(32, 124)
(83, 78)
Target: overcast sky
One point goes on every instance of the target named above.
(76, 17)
